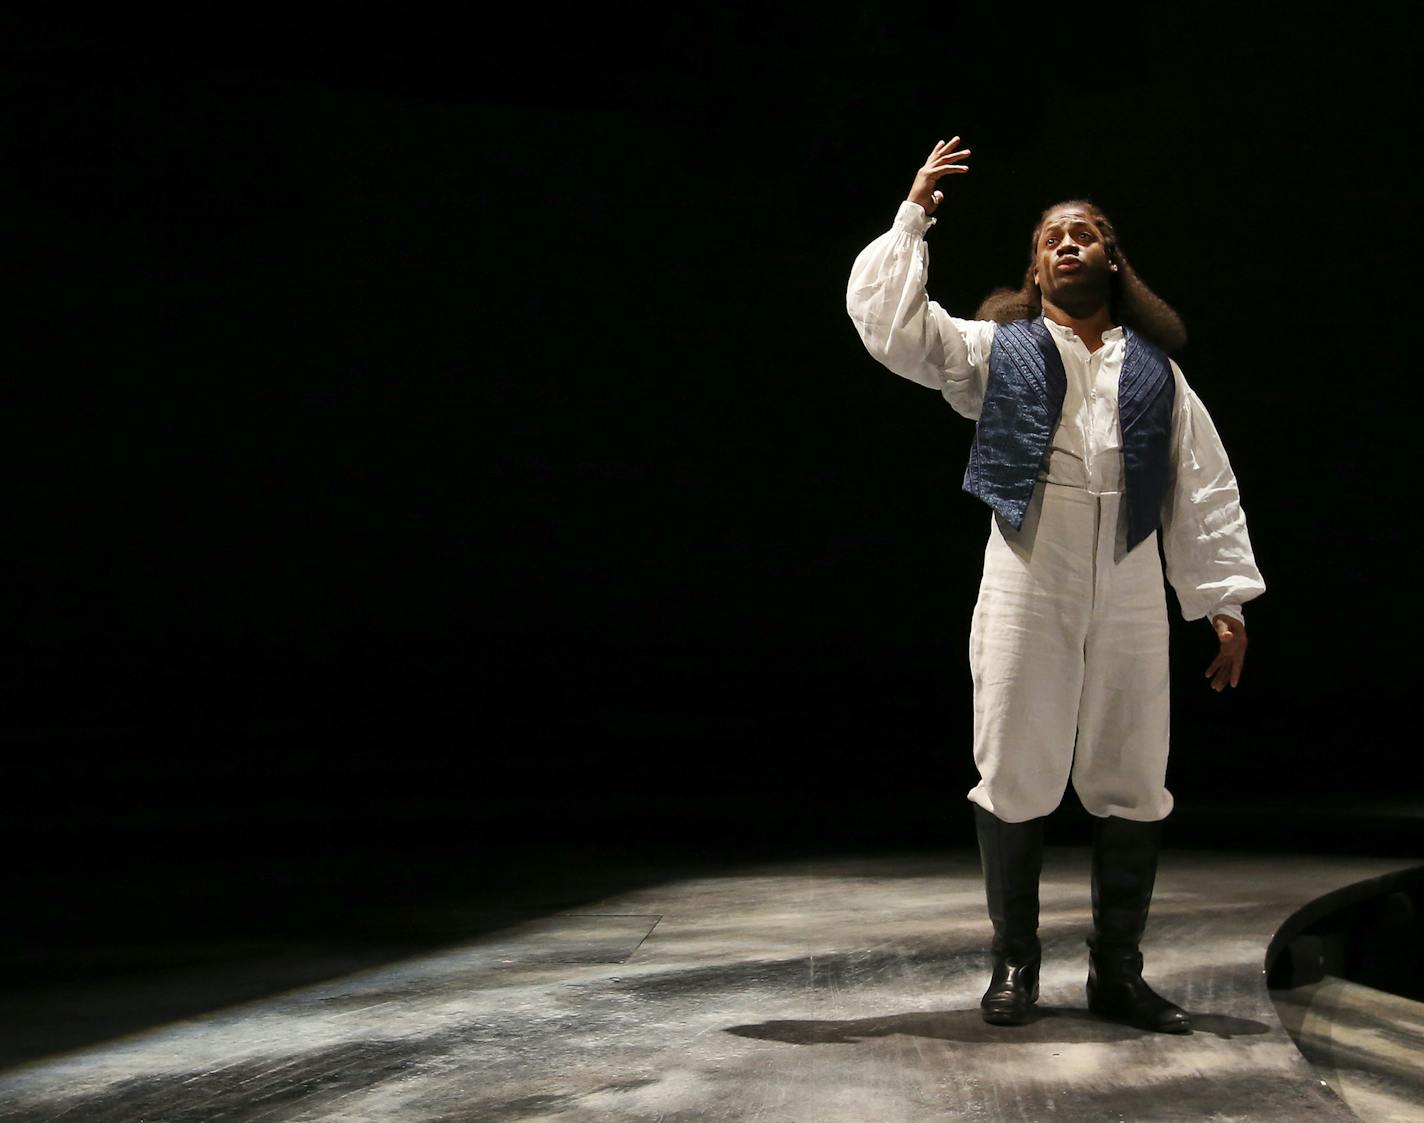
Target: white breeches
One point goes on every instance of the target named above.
(1069, 641)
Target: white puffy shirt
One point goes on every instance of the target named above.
(1204, 539)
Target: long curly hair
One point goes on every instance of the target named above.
(1130, 302)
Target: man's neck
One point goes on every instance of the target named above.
(1089, 325)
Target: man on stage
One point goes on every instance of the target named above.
(1089, 447)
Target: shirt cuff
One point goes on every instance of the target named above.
(912, 217)
(1232, 610)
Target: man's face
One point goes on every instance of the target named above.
(1071, 264)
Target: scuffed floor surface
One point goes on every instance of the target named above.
(827, 990)
(1367, 1045)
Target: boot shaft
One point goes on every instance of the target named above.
(1011, 855)
(1125, 854)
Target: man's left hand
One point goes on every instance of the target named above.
(1226, 667)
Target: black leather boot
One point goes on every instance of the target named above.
(1124, 870)
(1012, 857)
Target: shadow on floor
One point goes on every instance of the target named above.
(1052, 1023)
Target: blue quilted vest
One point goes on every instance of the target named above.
(1022, 400)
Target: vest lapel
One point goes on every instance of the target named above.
(1022, 399)
(1145, 394)
(1141, 379)
(1029, 346)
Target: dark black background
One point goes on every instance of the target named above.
(432, 434)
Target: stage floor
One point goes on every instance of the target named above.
(827, 989)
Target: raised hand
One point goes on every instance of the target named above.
(944, 159)
(1226, 667)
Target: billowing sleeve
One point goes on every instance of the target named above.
(1208, 552)
(905, 330)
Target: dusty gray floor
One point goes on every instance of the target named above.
(1367, 1045)
(828, 990)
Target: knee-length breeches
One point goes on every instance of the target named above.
(1068, 649)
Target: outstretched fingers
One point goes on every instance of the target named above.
(945, 159)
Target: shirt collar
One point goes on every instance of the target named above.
(1113, 333)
